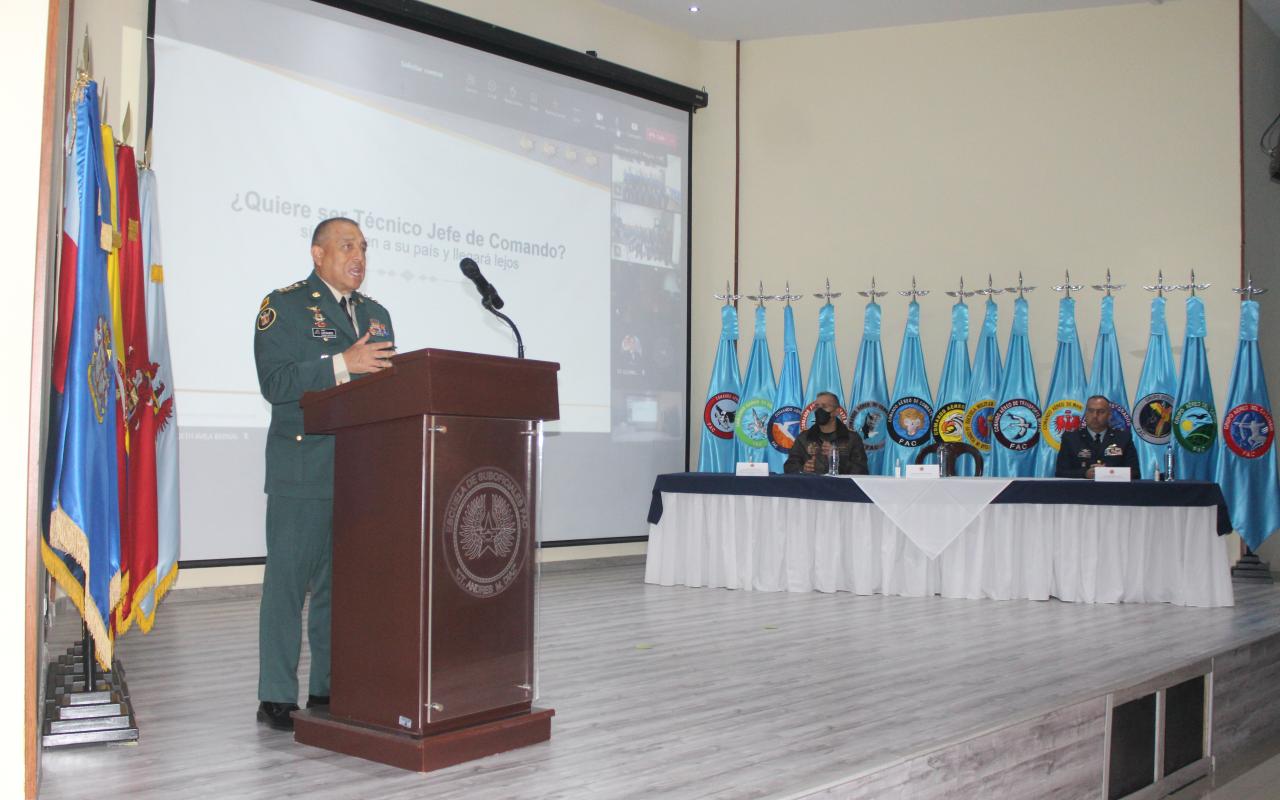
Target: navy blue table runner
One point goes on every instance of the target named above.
(1049, 492)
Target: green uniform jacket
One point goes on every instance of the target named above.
(300, 328)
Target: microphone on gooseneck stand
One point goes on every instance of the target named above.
(488, 294)
(489, 298)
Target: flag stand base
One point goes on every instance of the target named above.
(1251, 568)
(102, 713)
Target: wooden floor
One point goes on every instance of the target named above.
(664, 691)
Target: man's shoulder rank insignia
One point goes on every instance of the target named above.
(291, 287)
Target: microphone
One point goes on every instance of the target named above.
(488, 294)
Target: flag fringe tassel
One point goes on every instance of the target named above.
(63, 531)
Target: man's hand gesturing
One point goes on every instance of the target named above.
(365, 356)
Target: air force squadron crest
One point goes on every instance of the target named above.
(784, 426)
(1195, 425)
(486, 524)
(718, 414)
(1248, 430)
(1017, 424)
(1059, 419)
(870, 420)
(1153, 418)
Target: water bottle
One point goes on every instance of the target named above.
(833, 463)
(897, 468)
(1168, 463)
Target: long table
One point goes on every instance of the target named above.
(958, 537)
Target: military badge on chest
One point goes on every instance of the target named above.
(377, 328)
(320, 326)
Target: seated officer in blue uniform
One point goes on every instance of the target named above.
(311, 335)
(1096, 444)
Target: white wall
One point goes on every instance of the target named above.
(22, 53)
(1260, 92)
(1075, 140)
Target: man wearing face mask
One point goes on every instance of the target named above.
(811, 452)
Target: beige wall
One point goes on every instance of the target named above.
(117, 32)
(1075, 140)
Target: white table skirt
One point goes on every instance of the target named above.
(1089, 554)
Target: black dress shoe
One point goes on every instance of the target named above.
(276, 715)
(317, 701)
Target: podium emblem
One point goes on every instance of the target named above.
(485, 525)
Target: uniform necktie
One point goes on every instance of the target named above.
(349, 309)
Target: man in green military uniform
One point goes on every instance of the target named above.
(312, 335)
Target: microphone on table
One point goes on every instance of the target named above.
(488, 294)
(489, 298)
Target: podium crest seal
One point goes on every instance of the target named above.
(486, 524)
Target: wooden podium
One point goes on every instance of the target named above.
(436, 471)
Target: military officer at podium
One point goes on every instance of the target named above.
(1096, 444)
(311, 335)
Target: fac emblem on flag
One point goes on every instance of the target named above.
(984, 380)
(784, 424)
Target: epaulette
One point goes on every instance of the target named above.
(292, 287)
(362, 297)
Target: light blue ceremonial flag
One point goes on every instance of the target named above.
(824, 370)
(953, 388)
(751, 426)
(1152, 414)
(1195, 418)
(869, 394)
(911, 412)
(1107, 375)
(984, 385)
(84, 522)
(168, 534)
(1247, 471)
(784, 425)
(1064, 409)
(716, 450)
(1015, 427)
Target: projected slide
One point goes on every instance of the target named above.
(272, 115)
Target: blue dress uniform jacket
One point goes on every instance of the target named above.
(300, 328)
(1079, 451)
